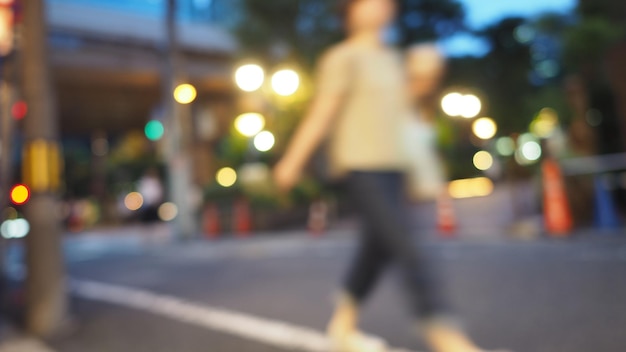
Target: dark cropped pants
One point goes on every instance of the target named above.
(379, 198)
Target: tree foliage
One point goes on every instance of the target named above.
(279, 28)
(428, 20)
(305, 27)
(587, 43)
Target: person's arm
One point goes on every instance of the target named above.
(317, 122)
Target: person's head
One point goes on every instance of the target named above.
(426, 67)
(367, 14)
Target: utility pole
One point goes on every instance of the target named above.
(46, 301)
(179, 134)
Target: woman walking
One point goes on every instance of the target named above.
(362, 105)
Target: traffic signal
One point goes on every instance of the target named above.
(20, 194)
(154, 130)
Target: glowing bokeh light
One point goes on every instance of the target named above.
(471, 106)
(456, 104)
(19, 110)
(168, 211)
(133, 201)
(531, 151)
(483, 161)
(264, 141)
(525, 34)
(470, 188)
(254, 173)
(452, 104)
(185, 94)
(226, 177)
(154, 130)
(17, 228)
(20, 194)
(285, 82)
(545, 124)
(485, 128)
(505, 146)
(250, 124)
(249, 78)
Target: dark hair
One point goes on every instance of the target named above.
(343, 7)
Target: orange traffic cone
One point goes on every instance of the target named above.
(446, 218)
(557, 214)
(211, 221)
(242, 218)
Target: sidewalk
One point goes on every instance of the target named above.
(11, 341)
(23, 344)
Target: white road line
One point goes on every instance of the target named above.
(270, 332)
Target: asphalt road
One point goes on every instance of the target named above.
(540, 296)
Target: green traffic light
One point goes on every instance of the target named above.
(154, 130)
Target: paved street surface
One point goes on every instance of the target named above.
(247, 295)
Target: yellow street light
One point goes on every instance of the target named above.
(249, 78)
(226, 177)
(483, 161)
(185, 94)
(250, 124)
(285, 82)
(485, 128)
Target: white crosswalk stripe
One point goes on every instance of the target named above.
(270, 332)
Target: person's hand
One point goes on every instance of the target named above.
(286, 175)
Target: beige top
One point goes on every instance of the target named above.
(368, 131)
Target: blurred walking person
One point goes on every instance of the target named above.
(151, 189)
(362, 104)
(426, 67)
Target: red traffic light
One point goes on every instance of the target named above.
(20, 194)
(19, 110)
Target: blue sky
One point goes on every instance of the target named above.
(481, 13)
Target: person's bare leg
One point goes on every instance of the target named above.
(343, 329)
(345, 317)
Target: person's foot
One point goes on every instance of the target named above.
(343, 329)
(443, 337)
(357, 342)
(345, 318)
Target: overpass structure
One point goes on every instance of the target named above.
(107, 62)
